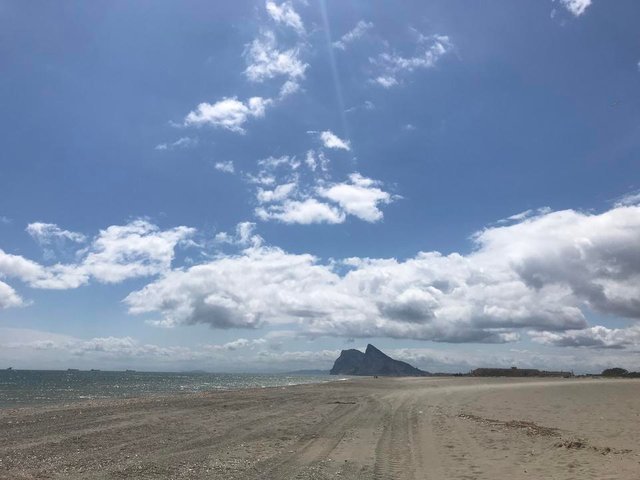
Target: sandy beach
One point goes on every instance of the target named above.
(410, 428)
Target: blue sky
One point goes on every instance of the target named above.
(256, 185)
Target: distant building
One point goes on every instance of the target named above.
(518, 372)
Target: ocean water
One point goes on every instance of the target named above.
(19, 388)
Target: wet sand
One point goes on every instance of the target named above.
(412, 428)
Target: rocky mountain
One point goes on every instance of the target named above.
(372, 362)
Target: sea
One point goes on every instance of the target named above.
(21, 388)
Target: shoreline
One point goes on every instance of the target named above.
(82, 396)
(436, 428)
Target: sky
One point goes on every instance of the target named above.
(256, 185)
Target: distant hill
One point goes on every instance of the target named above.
(373, 362)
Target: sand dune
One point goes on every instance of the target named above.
(413, 428)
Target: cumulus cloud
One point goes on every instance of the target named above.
(360, 197)
(286, 15)
(117, 253)
(596, 337)
(576, 7)
(228, 113)
(136, 249)
(9, 297)
(543, 273)
(302, 212)
(226, 167)
(266, 61)
(331, 140)
(392, 65)
(278, 194)
(285, 193)
(358, 31)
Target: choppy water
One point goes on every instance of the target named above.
(20, 388)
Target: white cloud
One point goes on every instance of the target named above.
(117, 253)
(386, 81)
(358, 31)
(265, 61)
(53, 239)
(272, 163)
(596, 337)
(303, 212)
(183, 142)
(134, 250)
(24, 348)
(544, 273)
(285, 14)
(5, 220)
(331, 140)
(278, 194)
(629, 199)
(244, 236)
(288, 194)
(226, 167)
(16, 266)
(228, 113)
(288, 88)
(576, 7)
(518, 217)
(392, 65)
(46, 233)
(360, 197)
(9, 297)
(310, 160)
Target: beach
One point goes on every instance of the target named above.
(359, 428)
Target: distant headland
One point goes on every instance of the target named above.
(373, 362)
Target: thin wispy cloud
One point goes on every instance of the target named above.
(393, 66)
(351, 36)
(183, 142)
(629, 199)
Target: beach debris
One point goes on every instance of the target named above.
(530, 428)
(580, 444)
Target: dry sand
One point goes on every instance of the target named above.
(419, 428)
